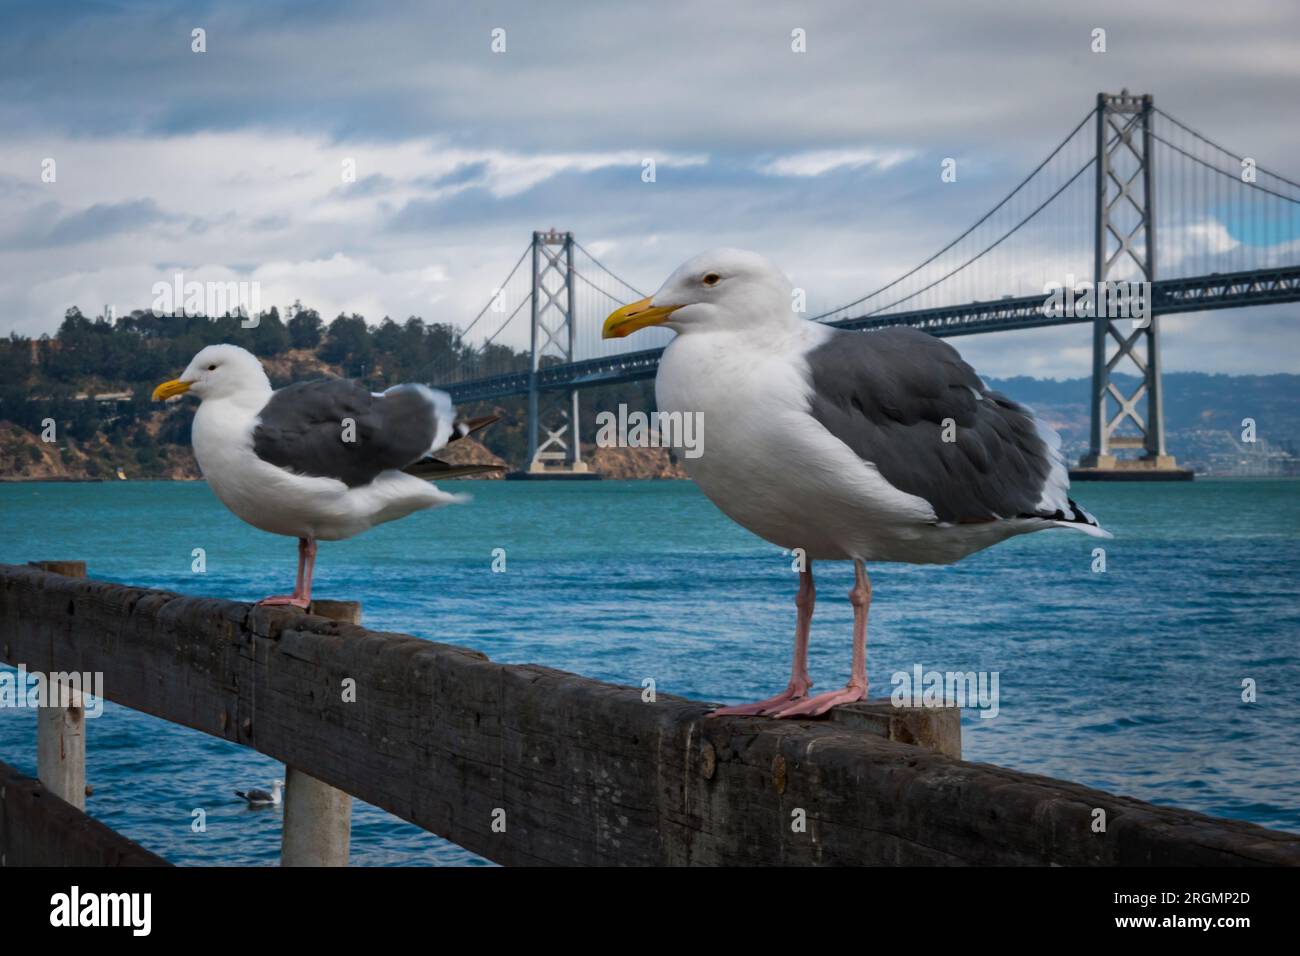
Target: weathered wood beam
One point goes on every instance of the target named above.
(39, 829)
(529, 765)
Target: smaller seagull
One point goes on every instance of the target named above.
(260, 798)
(321, 460)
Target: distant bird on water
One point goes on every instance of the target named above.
(320, 460)
(260, 798)
(861, 446)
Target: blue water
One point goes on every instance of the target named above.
(1128, 680)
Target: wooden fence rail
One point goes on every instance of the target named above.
(39, 828)
(528, 765)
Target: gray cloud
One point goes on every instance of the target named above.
(582, 76)
(376, 184)
(100, 221)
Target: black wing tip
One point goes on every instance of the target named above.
(1081, 516)
(1078, 515)
(468, 426)
(432, 468)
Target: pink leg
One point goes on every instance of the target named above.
(799, 680)
(297, 582)
(310, 553)
(857, 686)
(301, 595)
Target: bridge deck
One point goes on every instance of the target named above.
(1169, 296)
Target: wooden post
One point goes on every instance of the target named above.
(934, 728)
(61, 731)
(317, 817)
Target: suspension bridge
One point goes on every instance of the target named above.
(1126, 173)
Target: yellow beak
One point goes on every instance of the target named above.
(170, 389)
(633, 316)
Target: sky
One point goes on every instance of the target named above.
(231, 163)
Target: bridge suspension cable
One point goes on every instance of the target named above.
(1045, 184)
(470, 360)
(1218, 210)
(1234, 175)
(990, 247)
(496, 294)
(1226, 152)
(975, 225)
(611, 290)
(631, 288)
(501, 328)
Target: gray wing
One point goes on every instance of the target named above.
(303, 428)
(886, 394)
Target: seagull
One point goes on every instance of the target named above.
(260, 798)
(857, 446)
(321, 460)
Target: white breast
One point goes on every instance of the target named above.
(772, 467)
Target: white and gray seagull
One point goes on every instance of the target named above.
(260, 798)
(834, 441)
(321, 460)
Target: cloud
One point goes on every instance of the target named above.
(106, 219)
(1193, 241)
(376, 184)
(504, 174)
(820, 162)
(100, 221)
(1005, 77)
(466, 173)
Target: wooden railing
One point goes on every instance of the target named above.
(38, 828)
(528, 765)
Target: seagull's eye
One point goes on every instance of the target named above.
(212, 368)
(711, 279)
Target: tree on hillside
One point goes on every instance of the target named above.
(270, 337)
(305, 328)
(348, 344)
(15, 359)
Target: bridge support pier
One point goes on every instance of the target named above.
(554, 327)
(1125, 249)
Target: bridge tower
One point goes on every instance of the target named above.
(1125, 249)
(554, 327)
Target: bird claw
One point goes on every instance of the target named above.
(763, 708)
(285, 599)
(816, 706)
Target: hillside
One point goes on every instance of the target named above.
(1203, 417)
(93, 381)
